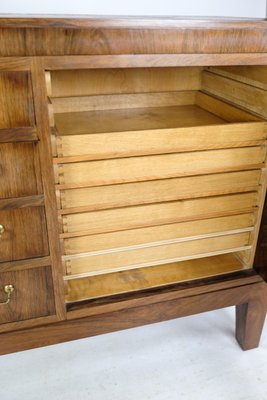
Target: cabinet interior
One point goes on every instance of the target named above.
(159, 174)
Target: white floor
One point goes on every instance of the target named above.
(190, 358)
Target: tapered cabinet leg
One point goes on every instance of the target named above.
(250, 320)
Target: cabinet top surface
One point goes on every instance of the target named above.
(29, 35)
(153, 22)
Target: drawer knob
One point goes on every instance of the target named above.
(8, 289)
(2, 229)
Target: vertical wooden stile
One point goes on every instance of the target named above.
(43, 130)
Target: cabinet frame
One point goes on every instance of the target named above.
(39, 53)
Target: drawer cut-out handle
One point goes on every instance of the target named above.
(2, 229)
(8, 289)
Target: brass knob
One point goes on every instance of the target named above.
(2, 229)
(8, 289)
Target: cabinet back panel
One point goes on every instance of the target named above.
(121, 101)
(124, 80)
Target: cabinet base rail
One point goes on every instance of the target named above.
(249, 298)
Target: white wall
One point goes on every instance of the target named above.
(227, 8)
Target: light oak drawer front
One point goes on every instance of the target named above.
(134, 169)
(157, 214)
(23, 234)
(120, 260)
(128, 194)
(159, 141)
(32, 296)
(155, 234)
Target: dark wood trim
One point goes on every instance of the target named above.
(45, 154)
(14, 326)
(25, 134)
(250, 319)
(132, 317)
(20, 202)
(25, 264)
(152, 60)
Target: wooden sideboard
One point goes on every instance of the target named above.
(133, 175)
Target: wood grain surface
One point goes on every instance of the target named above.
(146, 278)
(32, 296)
(129, 36)
(147, 314)
(117, 132)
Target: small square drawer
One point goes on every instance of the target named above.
(22, 234)
(26, 294)
(16, 102)
(19, 169)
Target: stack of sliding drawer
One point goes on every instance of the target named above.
(157, 182)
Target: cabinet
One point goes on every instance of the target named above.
(133, 175)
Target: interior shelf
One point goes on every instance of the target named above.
(134, 119)
(151, 277)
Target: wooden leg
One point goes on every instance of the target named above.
(250, 320)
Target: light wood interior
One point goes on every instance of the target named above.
(158, 214)
(159, 173)
(133, 119)
(70, 83)
(153, 235)
(126, 259)
(144, 278)
(162, 190)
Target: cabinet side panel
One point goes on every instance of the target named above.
(260, 262)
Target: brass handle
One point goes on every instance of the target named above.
(8, 289)
(2, 229)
